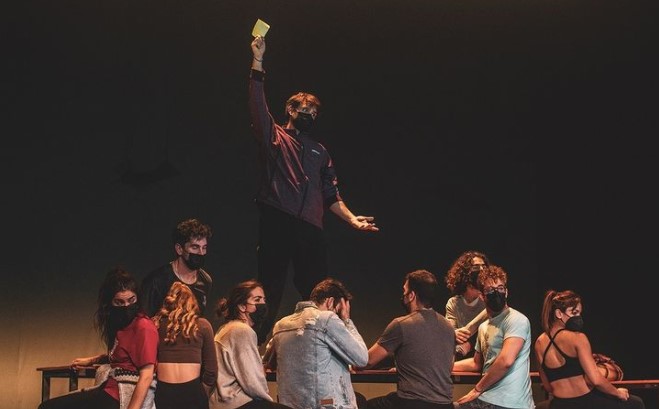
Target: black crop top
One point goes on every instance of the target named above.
(571, 368)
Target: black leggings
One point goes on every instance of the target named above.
(262, 404)
(188, 395)
(95, 398)
(596, 400)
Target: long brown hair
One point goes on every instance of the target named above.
(459, 275)
(555, 300)
(227, 308)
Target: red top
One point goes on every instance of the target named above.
(134, 347)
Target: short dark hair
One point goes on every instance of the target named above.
(327, 288)
(190, 229)
(424, 284)
(301, 97)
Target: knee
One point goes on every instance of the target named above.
(635, 402)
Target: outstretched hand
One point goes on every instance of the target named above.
(364, 223)
(81, 362)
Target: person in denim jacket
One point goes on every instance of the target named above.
(312, 349)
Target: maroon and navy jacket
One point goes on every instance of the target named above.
(297, 175)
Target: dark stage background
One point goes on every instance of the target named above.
(518, 128)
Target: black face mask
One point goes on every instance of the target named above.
(260, 314)
(121, 317)
(259, 318)
(194, 261)
(495, 301)
(303, 122)
(574, 323)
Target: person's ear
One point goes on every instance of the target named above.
(331, 305)
(178, 249)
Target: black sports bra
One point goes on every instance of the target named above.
(571, 368)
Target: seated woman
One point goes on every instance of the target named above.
(241, 381)
(566, 365)
(132, 342)
(187, 366)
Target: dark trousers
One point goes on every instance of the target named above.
(285, 239)
(94, 398)
(596, 400)
(188, 395)
(262, 404)
(393, 401)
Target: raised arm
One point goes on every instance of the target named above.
(262, 121)
(258, 50)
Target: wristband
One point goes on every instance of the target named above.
(476, 389)
(258, 59)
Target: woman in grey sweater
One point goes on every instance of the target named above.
(241, 381)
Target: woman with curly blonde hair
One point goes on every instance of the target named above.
(187, 365)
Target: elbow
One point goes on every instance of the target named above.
(209, 378)
(506, 364)
(362, 361)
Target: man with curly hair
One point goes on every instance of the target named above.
(502, 350)
(190, 239)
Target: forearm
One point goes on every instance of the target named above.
(141, 388)
(466, 365)
(472, 326)
(257, 64)
(92, 360)
(494, 374)
(340, 209)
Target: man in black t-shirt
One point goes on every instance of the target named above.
(190, 238)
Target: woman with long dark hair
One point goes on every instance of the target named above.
(132, 345)
(566, 364)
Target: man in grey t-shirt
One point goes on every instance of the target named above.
(422, 344)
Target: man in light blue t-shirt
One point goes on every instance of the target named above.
(502, 350)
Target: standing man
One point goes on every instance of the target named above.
(298, 182)
(422, 343)
(190, 238)
(502, 350)
(312, 349)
